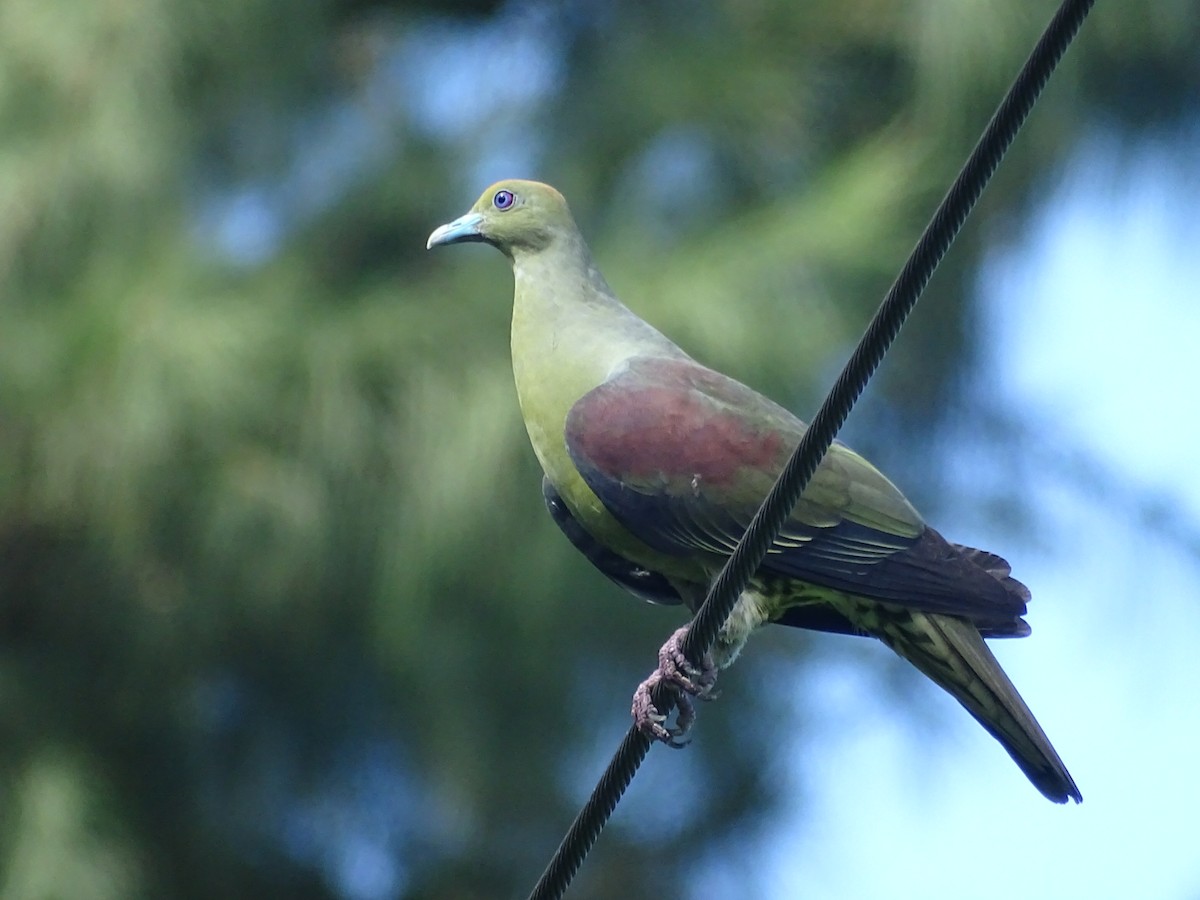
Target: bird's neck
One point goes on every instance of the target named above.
(569, 333)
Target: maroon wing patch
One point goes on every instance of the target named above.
(667, 420)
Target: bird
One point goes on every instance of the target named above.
(654, 465)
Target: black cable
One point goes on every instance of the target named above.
(778, 505)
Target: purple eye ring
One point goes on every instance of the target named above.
(503, 200)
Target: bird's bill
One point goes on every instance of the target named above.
(464, 228)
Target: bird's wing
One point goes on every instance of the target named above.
(682, 456)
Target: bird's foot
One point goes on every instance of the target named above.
(685, 680)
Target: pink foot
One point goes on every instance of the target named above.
(681, 677)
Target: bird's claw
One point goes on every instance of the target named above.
(685, 680)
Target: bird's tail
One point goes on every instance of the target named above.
(951, 652)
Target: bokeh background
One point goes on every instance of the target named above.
(280, 611)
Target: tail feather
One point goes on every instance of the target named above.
(997, 567)
(951, 652)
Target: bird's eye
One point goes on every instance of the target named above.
(503, 199)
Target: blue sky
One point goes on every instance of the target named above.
(1095, 325)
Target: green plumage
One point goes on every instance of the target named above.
(655, 464)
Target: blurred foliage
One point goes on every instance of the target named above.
(280, 611)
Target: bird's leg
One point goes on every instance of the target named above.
(685, 680)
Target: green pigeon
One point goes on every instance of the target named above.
(654, 465)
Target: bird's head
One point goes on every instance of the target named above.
(513, 216)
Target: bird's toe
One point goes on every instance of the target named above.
(679, 671)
